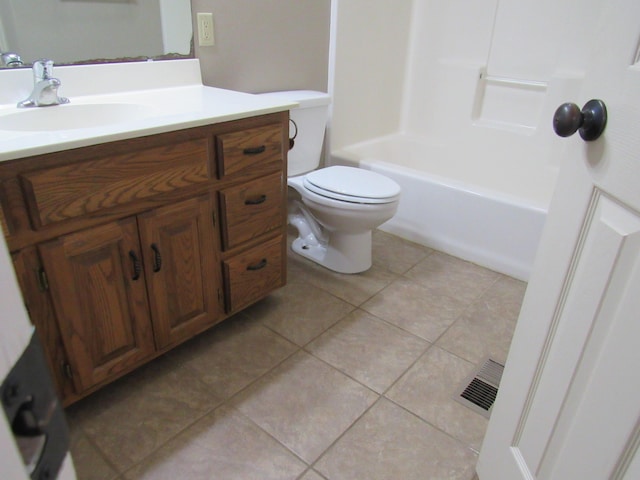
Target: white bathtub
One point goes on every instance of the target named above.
(483, 206)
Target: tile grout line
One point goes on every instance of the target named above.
(224, 402)
(339, 437)
(384, 396)
(467, 309)
(429, 347)
(435, 427)
(102, 455)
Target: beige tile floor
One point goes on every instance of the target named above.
(332, 377)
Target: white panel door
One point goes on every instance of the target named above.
(569, 403)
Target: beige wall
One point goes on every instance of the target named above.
(266, 45)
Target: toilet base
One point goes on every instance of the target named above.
(342, 252)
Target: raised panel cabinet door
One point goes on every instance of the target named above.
(179, 249)
(100, 300)
(38, 302)
(4, 226)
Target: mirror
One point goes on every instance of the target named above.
(96, 31)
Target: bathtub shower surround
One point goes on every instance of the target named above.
(457, 108)
(453, 207)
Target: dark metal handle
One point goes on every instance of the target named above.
(258, 266)
(292, 139)
(157, 258)
(137, 267)
(254, 150)
(256, 200)
(590, 121)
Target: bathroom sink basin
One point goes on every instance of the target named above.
(70, 116)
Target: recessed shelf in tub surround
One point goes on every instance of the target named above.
(165, 96)
(512, 104)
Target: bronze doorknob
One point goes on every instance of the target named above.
(590, 121)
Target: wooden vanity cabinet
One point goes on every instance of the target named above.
(120, 286)
(127, 249)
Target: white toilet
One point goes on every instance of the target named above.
(338, 206)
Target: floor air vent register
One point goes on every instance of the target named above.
(478, 392)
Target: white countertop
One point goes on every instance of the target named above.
(168, 96)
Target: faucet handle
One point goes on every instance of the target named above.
(42, 69)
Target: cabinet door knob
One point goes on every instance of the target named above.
(137, 267)
(256, 200)
(254, 150)
(257, 266)
(157, 258)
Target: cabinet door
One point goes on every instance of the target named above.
(179, 251)
(100, 300)
(36, 298)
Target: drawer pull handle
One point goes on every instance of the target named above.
(258, 266)
(157, 258)
(256, 201)
(254, 150)
(137, 267)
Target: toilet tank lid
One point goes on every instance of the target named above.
(304, 98)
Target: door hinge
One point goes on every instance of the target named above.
(43, 281)
(66, 369)
(219, 296)
(213, 218)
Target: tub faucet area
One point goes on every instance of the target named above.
(45, 87)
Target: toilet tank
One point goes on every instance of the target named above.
(308, 124)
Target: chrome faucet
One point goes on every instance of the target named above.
(10, 59)
(45, 87)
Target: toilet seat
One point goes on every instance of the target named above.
(353, 185)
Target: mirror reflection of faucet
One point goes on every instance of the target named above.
(10, 60)
(45, 87)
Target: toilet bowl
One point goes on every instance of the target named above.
(339, 209)
(334, 209)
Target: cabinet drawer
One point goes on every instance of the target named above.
(251, 209)
(249, 148)
(249, 276)
(70, 191)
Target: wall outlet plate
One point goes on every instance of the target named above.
(205, 29)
